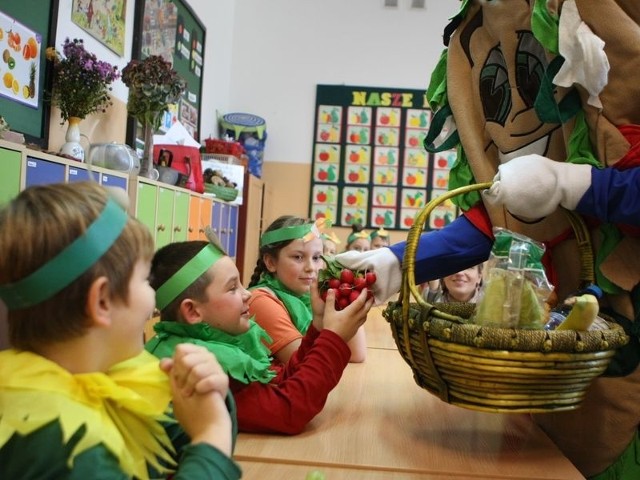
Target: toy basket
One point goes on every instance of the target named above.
(227, 194)
(496, 369)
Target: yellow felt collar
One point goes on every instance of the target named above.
(121, 408)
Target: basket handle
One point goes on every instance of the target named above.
(409, 287)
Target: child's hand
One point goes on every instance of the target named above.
(195, 369)
(318, 305)
(346, 322)
(199, 387)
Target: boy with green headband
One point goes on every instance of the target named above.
(79, 396)
(288, 262)
(202, 301)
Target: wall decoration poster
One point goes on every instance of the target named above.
(369, 165)
(27, 27)
(20, 67)
(170, 28)
(102, 19)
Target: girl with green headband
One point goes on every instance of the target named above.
(379, 238)
(359, 239)
(77, 390)
(202, 301)
(288, 262)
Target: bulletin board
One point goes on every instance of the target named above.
(171, 29)
(28, 28)
(369, 165)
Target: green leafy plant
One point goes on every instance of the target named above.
(153, 86)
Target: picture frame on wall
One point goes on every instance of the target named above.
(171, 29)
(29, 27)
(104, 20)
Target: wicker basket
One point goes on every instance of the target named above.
(227, 194)
(496, 369)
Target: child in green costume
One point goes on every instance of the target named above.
(79, 396)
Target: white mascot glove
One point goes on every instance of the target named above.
(533, 186)
(383, 262)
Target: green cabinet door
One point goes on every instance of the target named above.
(146, 205)
(164, 216)
(10, 162)
(180, 216)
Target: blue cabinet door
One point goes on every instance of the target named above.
(82, 175)
(233, 230)
(216, 217)
(42, 172)
(114, 181)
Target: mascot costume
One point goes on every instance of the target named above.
(540, 97)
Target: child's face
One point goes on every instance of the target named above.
(129, 319)
(329, 248)
(297, 264)
(462, 285)
(227, 308)
(379, 242)
(360, 245)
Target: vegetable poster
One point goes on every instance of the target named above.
(369, 165)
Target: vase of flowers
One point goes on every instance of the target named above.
(81, 86)
(153, 86)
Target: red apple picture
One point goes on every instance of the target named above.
(413, 141)
(322, 175)
(324, 135)
(384, 119)
(442, 162)
(320, 215)
(379, 219)
(324, 156)
(351, 199)
(348, 218)
(354, 156)
(408, 221)
(353, 176)
(354, 138)
(411, 179)
(438, 222)
(321, 197)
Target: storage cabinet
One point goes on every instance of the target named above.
(11, 164)
(173, 214)
(200, 209)
(250, 216)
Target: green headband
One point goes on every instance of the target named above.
(70, 263)
(190, 271)
(356, 235)
(379, 233)
(290, 233)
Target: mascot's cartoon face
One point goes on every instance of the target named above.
(509, 64)
(495, 70)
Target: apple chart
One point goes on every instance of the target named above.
(369, 165)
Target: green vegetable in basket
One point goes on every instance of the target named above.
(532, 313)
(491, 305)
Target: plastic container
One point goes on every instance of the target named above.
(115, 156)
(251, 132)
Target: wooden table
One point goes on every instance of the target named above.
(378, 424)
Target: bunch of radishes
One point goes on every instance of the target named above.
(347, 283)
